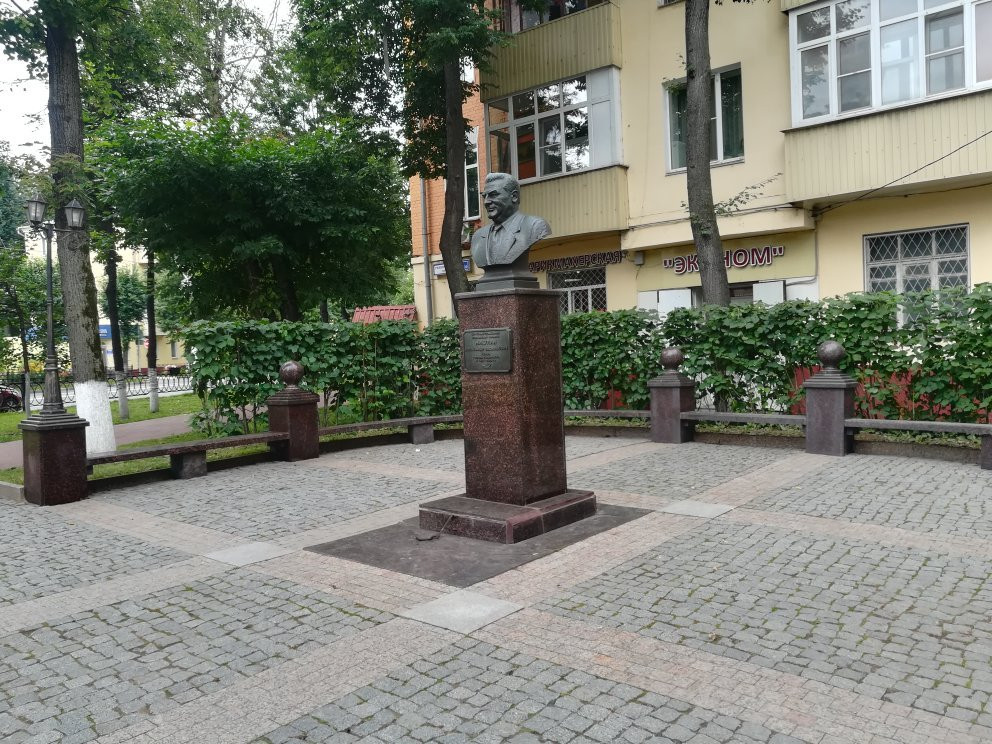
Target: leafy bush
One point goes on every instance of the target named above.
(367, 368)
(936, 364)
(606, 352)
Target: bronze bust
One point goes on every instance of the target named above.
(502, 246)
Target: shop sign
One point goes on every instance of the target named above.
(585, 261)
(739, 258)
(438, 266)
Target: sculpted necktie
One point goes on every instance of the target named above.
(493, 239)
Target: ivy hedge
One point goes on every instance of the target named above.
(924, 356)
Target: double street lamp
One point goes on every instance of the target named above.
(74, 214)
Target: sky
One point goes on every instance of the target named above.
(24, 102)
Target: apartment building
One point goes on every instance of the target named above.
(852, 148)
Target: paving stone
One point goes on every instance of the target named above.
(806, 605)
(248, 553)
(42, 553)
(491, 720)
(926, 496)
(462, 611)
(691, 508)
(273, 499)
(205, 626)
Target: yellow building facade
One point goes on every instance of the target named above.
(170, 351)
(852, 148)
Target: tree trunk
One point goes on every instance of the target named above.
(78, 287)
(287, 291)
(454, 189)
(152, 355)
(113, 316)
(325, 315)
(216, 60)
(702, 216)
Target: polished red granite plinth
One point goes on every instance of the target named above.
(514, 430)
(54, 458)
(505, 523)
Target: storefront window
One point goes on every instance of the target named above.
(585, 289)
(917, 261)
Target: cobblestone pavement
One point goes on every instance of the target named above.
(767, 597)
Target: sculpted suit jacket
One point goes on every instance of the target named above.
(506, 245)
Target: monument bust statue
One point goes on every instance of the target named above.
(502, 246)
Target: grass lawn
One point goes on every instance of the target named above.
(170, 405)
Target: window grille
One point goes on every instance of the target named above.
(584, 289)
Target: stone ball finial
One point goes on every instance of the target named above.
(830, 353)
(671, 358)
(291, 373)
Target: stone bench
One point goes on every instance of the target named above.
(420, 428)
(769, 419)
(186, 459)
(937, 427)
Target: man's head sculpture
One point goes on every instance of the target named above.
(502, 246)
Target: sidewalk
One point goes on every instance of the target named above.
(761, 597)
(11, 454)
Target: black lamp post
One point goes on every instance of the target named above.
(74, 213)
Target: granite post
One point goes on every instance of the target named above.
(829, 400)
(514, 433)
(671, 394)
(54, 446)
(294, 411)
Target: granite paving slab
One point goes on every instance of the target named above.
(926, 496)
(693, 469)
(477, 692)
(463, 611)
(98, 671)
(894, 624)
(42, 553)
(263, 502)
(463, 561)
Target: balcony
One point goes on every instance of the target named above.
(848, 157)
(580, 204)
(565, 47)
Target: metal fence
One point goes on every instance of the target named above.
(137, 386)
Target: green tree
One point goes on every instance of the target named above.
(47, 36)
(699, 184)
(398, 63)
(128, 305)
(256, 223)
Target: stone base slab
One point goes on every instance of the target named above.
(505, 523)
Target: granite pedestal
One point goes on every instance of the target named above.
(294, 411)
(514, 431)
(54, 446)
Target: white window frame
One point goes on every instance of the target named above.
(567, 299)
(601, 96)
(471, 215)
(669, 89)
(932, 260)
(874, 27)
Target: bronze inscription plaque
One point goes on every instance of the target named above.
(488, 350)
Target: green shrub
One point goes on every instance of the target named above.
(936, 364)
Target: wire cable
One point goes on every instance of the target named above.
(821, 212)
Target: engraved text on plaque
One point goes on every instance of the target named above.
(488, 350)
